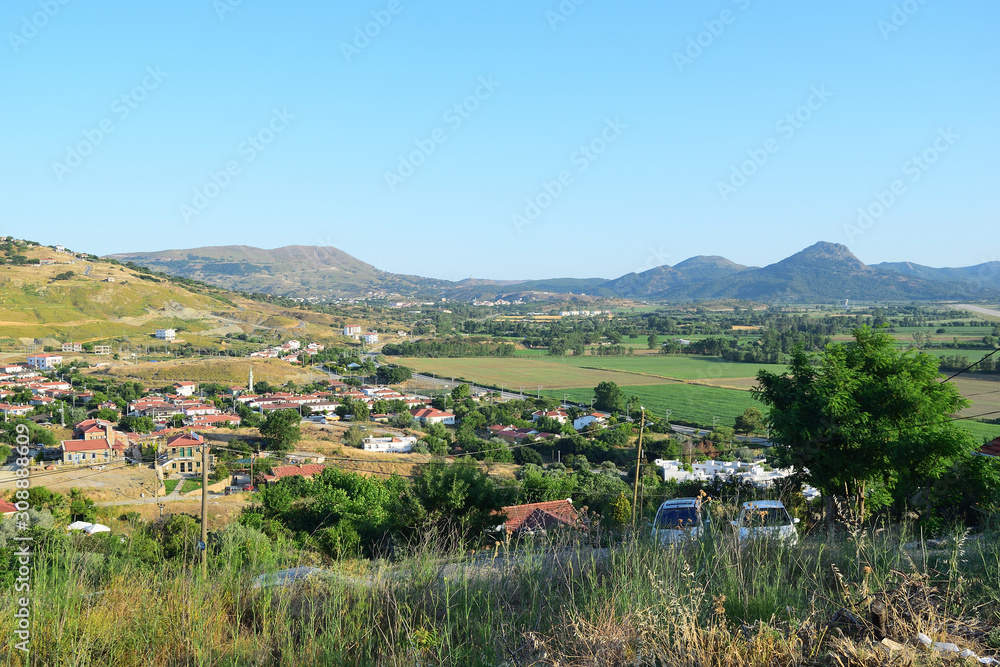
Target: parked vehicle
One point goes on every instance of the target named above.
(681, 519)
(766, 518)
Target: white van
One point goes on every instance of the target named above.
(766, 518)
(680, 519)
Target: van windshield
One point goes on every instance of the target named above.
(765, 517)
(677, 517)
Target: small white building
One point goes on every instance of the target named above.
(72, 347)
(370, 338)
(102, 349)
(185, 388)
(352, 329)
(583, 421)
(432, 416)
(45, 360)
(559, 415)
(390, 445)
(166, 334)
(706, 470)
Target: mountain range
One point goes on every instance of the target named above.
(822, 273)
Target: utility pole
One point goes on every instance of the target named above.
(204, 509)
(638, 460)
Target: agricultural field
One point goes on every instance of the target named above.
(514, 372)
(222, 370)
(687, 402)
(710, 370)
(695, 388)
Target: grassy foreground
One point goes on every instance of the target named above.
(822, 602)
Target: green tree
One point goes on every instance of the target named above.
(354, 437)
(456, 499)
(460, 393)
(136, 424)
(865, 420)
(281, 429)
(751, 421)
(609, 397)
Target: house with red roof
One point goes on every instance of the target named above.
(433, 416)
(183, 453)
(14, 410)
(991, 448)
(559, 415)
(306, 470)
(6, 508)
(539, 518)
(88, 452)
(185, 388)
(583, 421)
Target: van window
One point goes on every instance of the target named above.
(674, 517)
(765, 517)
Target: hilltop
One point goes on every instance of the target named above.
(50, 296)
(822, 273)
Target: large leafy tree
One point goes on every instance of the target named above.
(609, 397)
(281, 429)
(865, 421)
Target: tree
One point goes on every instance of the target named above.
(751, 421)
(460, 393)
(609, 397)
(865, 420)
(393, 374)
(281, 429)
(651, 341)
(354, 437)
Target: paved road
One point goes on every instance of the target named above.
(978, 309)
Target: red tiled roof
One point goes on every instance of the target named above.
(991, 448)
(306, 470)
(534, 516)
(185, 440)
(7, 508)
(431, 412)
(85, 445)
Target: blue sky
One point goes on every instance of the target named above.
(589, 139)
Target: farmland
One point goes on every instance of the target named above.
(518, 371)
(694, 388)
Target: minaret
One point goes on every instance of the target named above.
(250, 381)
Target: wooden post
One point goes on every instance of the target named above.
(204, 507)
(638, 461)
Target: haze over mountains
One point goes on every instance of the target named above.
(823, 272)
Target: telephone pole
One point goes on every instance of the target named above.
(204, 508)
(638, 460)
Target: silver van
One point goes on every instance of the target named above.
(680, 519)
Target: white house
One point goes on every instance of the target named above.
(392, 445)
(352, 329)
(185, 388)
(45, 360)
(72, 347)
(166, 334)
(369, 338)
(706, 470)
(559, 415)
(583, 421)
(432, 416)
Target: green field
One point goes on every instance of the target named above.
(699, 404)
(689, 403)
(515, 372)
(170, 485)
(684, 367)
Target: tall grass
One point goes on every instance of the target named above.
(561, 600)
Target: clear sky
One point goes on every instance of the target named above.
(590, 138)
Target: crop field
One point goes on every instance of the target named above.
(223, 370)
(514, 372)
(713, 370)
(690, 403)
